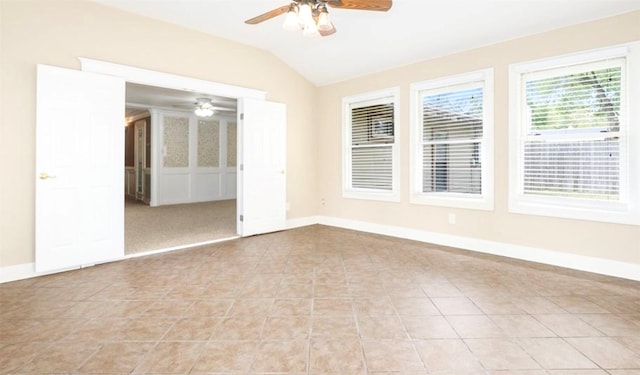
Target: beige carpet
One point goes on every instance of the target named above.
(153, 228)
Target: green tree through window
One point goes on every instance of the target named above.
(589, 99)
(572, 146)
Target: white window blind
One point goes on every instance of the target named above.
(451, 141)
(372, 138)
(370, 169)
(574, 143)
(452, 134)
(571, 141)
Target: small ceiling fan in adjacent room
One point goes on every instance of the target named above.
(207, 107)
(312, 16)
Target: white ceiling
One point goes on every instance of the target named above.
(139, 98)
(366, 41)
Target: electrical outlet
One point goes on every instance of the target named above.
(452, 218)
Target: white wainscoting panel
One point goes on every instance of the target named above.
(175, 187)
(207, 186)
(191, 177)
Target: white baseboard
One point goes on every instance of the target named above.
(25, 271)
(302, 222)
(601, 266)
(28, 270)
(17, 272)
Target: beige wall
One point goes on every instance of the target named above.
(58, 32)
(611, 241)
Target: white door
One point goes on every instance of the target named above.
(79, 168)
(261, 174)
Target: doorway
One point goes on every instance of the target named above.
(80, 216)
(195, 173)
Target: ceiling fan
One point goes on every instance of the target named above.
(312, 16)
(206, 107)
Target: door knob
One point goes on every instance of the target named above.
(44, 176)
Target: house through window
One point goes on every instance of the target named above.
(450, 129)
(370, 155)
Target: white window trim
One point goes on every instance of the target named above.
(347, 190)
(484, 201)
(627, 211)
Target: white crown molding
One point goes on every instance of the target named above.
(171, 81)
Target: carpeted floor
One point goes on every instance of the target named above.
(153, 228)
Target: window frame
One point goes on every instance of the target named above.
(483, 201)
(391, 96)
(626, 209)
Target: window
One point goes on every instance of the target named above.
(370, 146)
(451, 139)
(570, 137)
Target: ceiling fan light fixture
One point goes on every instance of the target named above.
(324, 22)
(204, 108)
(204, 112)
(305, 15)
(312, 16)
(291, 22)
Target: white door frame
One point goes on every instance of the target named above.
(171, 81)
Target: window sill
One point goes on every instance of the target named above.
(375, 196)
(453, 201)
(616, 216)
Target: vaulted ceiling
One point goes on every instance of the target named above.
(367, 41)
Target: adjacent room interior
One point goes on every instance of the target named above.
(195, 175)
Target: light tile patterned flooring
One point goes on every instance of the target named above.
(320, 300)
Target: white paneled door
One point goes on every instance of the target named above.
(262, 173)
(79, 168)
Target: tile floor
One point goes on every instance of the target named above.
(320, 300)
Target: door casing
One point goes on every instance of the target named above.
(171, 81)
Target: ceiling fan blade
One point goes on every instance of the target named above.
(267, 16)
(377, 5)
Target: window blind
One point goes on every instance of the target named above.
(452, 133)
(372, 168)
(372, 140)
(571, 144)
